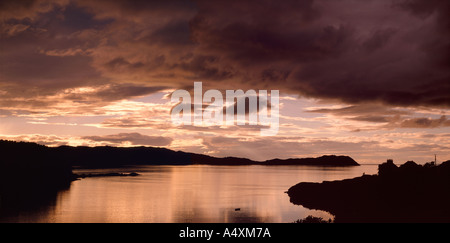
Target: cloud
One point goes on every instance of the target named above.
(367, 109)
(387, 117)
(49, 140)
(132, 139)
(316, 48)
(374, 113)
(425, 123)
(81, 101)
(322, 47)
(379, 39)
(121, 139)
(381, 63)
(10, 9)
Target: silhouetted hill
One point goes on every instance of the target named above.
(26, 155)
(326, 160)
(30, 176)
(31, 160)
(102, 157)
(409, 193)
(201, 159)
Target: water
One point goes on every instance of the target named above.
(197, 194)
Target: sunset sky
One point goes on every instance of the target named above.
(369, 79)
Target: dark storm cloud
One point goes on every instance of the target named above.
(112, 92)
(34, 69)
(354, 51)
(123, 91)
(391, 51)
(43, 51)
(132, 7)
(264, 31)
(379, 39)
(27, 8)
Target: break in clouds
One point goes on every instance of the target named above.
(391, 51)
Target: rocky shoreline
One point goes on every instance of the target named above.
(82, 176)
(410, 193)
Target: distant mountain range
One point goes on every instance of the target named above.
(26, 153)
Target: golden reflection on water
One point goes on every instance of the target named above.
(199, 194)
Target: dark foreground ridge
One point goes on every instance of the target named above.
(409, 193)
(31, 176)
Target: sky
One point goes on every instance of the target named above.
(368, 79)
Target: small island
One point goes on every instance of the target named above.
(410, 193)
(326, 160)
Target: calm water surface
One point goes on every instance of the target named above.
(197, 193)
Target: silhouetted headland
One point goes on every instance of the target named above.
(111, 157)
(313, 220)
(81, 176)
(30, 176)
(409, 193)
(326, 160)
